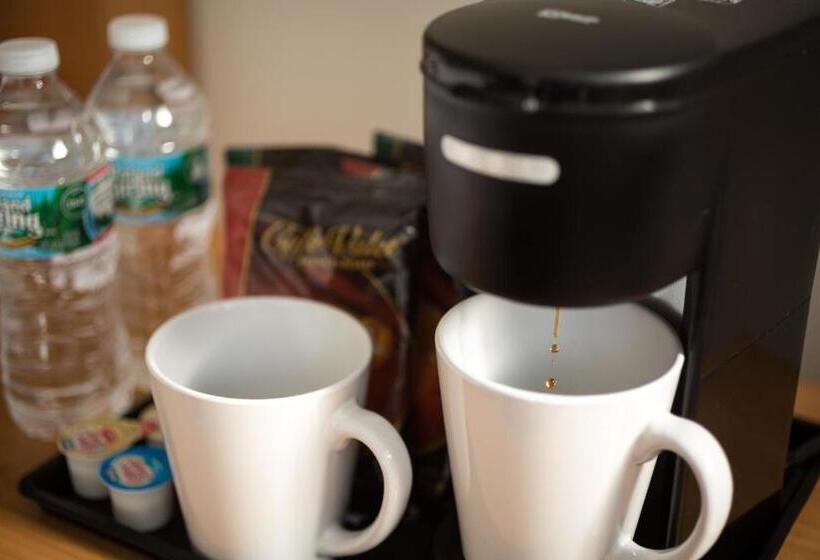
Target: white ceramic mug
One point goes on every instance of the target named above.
(258, 399)
(563, 474)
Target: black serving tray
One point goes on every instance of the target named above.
(49, 485)
(427, 531)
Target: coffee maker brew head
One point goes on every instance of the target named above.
(571, 147)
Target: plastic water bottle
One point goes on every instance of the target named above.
(154, 124)
(62, 344)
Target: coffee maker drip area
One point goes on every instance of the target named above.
(565, 323)
(648, 146)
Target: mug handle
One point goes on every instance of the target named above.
(353, 422)
(695, 445)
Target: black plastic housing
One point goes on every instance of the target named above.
(636, 131)
(703, 168)
(629, 214)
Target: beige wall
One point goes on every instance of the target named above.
(325, 71)
(311, 70)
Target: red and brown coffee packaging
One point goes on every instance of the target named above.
(336, 228)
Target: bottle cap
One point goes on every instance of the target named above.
(28, 56)
(137, 32)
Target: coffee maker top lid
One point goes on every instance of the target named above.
(536, 45)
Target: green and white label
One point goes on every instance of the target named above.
(42, 222)
(158, 188)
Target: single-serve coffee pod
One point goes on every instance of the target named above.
(139, 483)
(86, 443)
(149, 422)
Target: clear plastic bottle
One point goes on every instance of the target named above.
(154, 124)
(62, 344)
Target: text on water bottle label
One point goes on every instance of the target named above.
(42, 222)
(159, 188)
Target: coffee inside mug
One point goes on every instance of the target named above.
(260, 348)
(602, 349)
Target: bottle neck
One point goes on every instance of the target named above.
(31, 82)
(144, 58)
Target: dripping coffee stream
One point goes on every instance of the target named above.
(551, 383)
(556, 330)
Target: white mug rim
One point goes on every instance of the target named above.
(230, 304)
(556, 398)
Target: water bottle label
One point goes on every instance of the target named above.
(159, 188)
(41, 222)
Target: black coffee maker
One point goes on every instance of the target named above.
(586, 152)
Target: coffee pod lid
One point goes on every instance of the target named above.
(97, 438)
(149, 422)
(136, 469)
